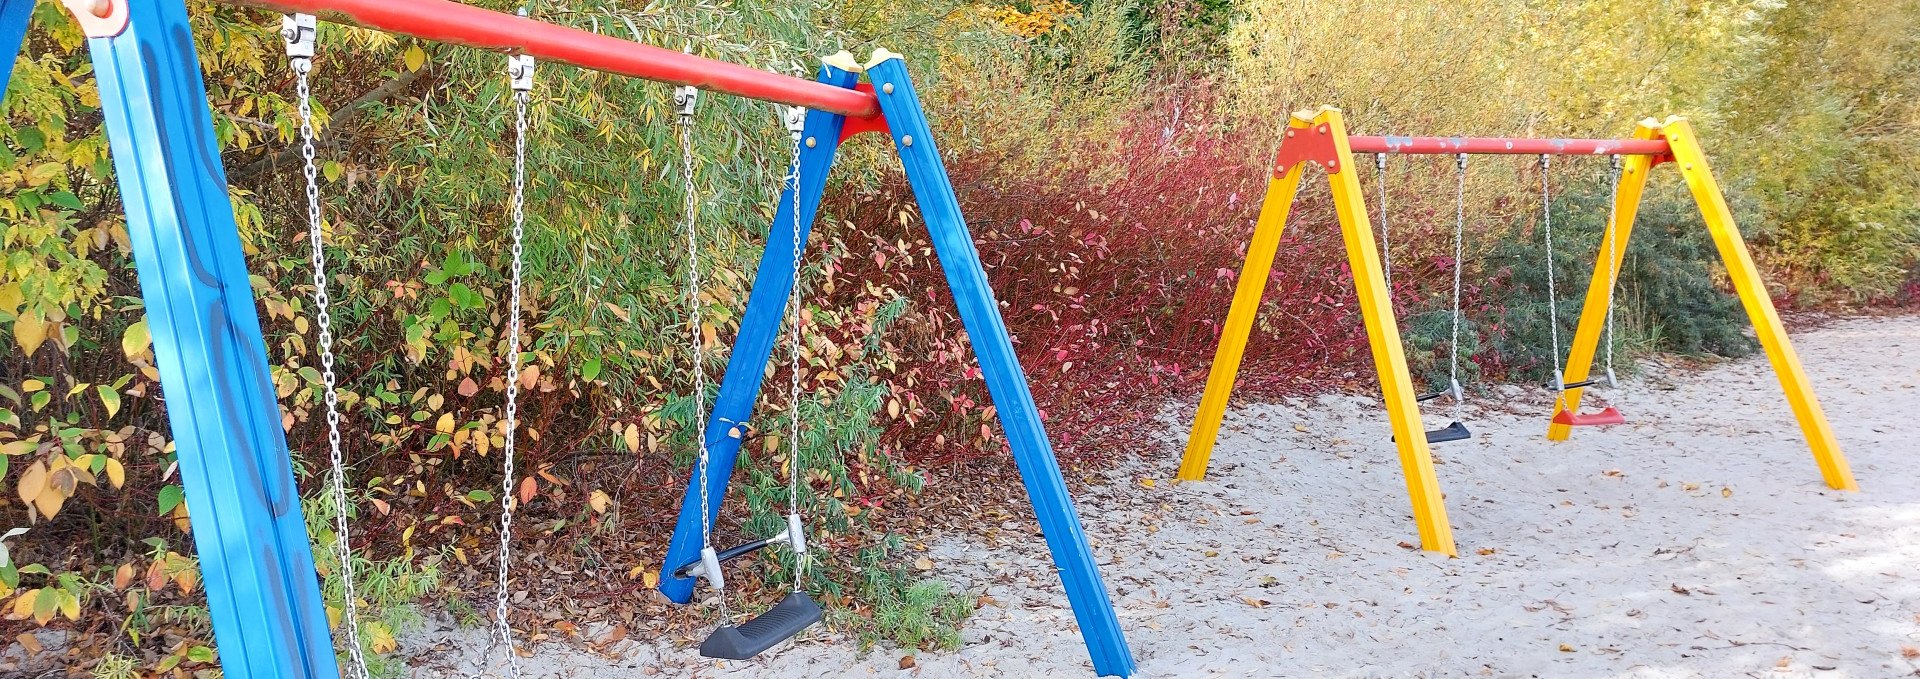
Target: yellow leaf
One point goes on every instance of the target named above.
(20, 447)
(49, 503)
(632, 437)
(1146, 483)
(31, 385)
(380, 639)
(445, 425)
(651, 579)
(32, 482)
(415, 58)
(116, 474)
(69, 605)
(29, 330)
(135, 341)
(599, 501)
(10, 298)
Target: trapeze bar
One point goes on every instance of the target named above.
(1559, 147)
(452, 22)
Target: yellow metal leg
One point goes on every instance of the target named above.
(1383, 333)
(1759, 305)
(1593, 314)
(1233, 335)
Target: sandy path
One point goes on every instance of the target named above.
(1697, 541)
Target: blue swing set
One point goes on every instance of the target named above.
(255, 554)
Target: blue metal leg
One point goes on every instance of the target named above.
(759, 328)
(907, 124)
(255, 558)
(13, 33)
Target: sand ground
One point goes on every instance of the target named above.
(1696, 541)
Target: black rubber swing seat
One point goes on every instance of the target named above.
(780, 623)
(1452, 432)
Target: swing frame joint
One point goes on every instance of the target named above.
(298, 32)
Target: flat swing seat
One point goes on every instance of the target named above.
(1452, 432)
(1606, 416)
(794, 613)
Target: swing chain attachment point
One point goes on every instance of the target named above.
(298, 34)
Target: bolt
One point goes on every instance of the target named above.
(906, 140)
(811, 142)
(887, 88)
(1289, 133)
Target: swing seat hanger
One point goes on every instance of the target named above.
(794, 536)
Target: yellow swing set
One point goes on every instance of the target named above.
(1320, 138)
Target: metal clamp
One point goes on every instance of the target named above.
(684, 98)
(299, 33)
(796, 121)
(520, 70)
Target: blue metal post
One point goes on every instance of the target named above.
(13, 33)
(759, 327)
(255, 558)
(1006, 382)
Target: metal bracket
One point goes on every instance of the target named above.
(520, 70)
(684, 99)
(796, 121)
(299, 33)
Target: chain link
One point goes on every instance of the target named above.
(794, 467)
(1553, 304)
(1386, 249)
(1613, 254)
(1459, 268)
(686, 97)
(323, 323)
(502, 626)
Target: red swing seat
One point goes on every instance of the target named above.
(1607, 415)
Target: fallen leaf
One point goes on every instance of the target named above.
(1487, 551)
(1566, 648)
(906, 662)
(1147, 483)
(1726, 492)
(599, 501)
(29, 642)
(923, 563)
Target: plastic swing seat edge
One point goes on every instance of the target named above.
(792, 615)
(1606, 416)
(1453, 432)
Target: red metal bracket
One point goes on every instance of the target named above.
(855, 125)
(1308, 145)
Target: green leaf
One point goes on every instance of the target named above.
(590, 369)
(40, 399)
(310, 375)
(332, 170)
(200, 654)
(170, 497)
(136, 339)
(10, 576)
(67, 200)
(479, 495)
(110, 399)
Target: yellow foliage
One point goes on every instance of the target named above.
(1046, 17)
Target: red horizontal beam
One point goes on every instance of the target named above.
(452, 22)
(1558, 147)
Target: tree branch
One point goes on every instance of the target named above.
(344, 117)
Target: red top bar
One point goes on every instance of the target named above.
(452, 22)
(1558, 147)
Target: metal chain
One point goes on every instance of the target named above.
(323, 323)
(685, 98)
(1459, 261)
(1553, 305)
(1613, 254)
(1386, 250)
(502, 625)
(794, 468)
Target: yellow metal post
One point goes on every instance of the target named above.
(1759, 305)
(1233, 335)
(1593, 314)
(1383, 333)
